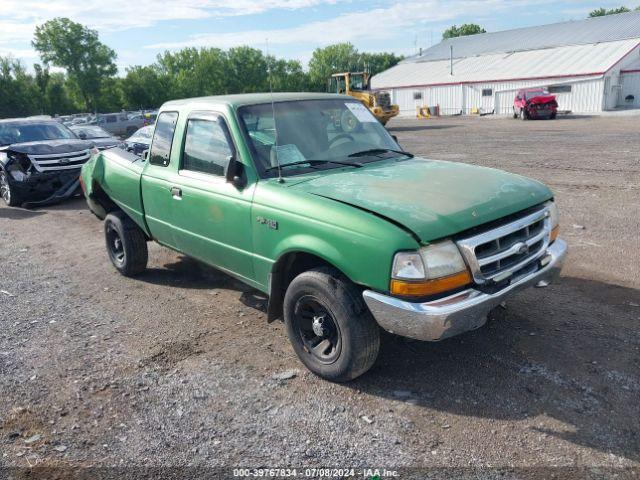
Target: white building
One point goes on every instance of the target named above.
(590, 65)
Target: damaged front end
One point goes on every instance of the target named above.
(33, 180)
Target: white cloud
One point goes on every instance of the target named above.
(18, 18)
(378, 23)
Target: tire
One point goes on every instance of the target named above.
(523, 114)
(7, 192)
(515, 114)
(329, 326)
(126, 244)
(553, 116)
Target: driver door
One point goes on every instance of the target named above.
(212, 217)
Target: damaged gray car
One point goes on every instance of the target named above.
(40, 162)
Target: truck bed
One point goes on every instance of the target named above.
(118, 173)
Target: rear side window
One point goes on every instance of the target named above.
(111, 119)
(207, 148)
(162, 139)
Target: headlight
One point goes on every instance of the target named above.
(433, 269)
(409, 266)
(554, 218)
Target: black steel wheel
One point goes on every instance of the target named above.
(329, 326)
(126, 244)
(318, 331)
(115, 247)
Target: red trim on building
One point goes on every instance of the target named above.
(630, 71)
(623, 57)
(593, 74)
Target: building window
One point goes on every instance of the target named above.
(560, 89)
(417, 95)
(487, 92)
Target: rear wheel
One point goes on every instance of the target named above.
(126, 244)
(7, 192)
(553, 116)
(329, 326)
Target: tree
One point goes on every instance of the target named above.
(144, 87)
(77, 49)
(601, 12)
(462, 30)
(19, 94)
(341, 57)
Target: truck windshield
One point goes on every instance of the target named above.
(32, 132)
(314, 130)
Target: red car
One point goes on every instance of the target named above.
(535, 103)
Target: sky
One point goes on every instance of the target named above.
(139, 30)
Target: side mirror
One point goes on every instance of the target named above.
(235, 173)
(82, 136)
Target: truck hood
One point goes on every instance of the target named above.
(431, 199)
(44, 147)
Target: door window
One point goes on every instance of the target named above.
(207, 148)
(163, 138)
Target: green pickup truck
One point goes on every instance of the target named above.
(342, 229)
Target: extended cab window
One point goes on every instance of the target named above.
(206, 148)
(162, 139)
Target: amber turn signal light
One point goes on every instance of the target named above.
(554, 233)
(430, 287)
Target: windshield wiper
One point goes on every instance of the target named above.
(315, 162)
(375, 151)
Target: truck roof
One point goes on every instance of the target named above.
(251, 99)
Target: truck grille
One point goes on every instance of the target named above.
(59, 161)
(508, 250)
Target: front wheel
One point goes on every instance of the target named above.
(126, 244)
(523, 114)
(7, 192)
(329, 325)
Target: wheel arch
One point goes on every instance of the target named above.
(288, 266)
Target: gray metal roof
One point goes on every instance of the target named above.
(592, 30)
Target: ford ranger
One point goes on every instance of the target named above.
(342, 229)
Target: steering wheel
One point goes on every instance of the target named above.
(340, 137)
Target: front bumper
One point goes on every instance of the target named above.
(460, 312)
(37, 189)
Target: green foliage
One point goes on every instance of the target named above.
(77, 49)
(601, 12)
(344, 57)
(89, 82)
(462, 30)
(19, 93)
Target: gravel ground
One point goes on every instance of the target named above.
(179, 367)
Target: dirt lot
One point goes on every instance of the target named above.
(179, 367)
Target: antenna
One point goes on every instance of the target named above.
(273, 112)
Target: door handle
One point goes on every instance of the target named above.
(176, 193)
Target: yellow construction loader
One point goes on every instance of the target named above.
(356, 85)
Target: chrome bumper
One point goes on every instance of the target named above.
(457, 313)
